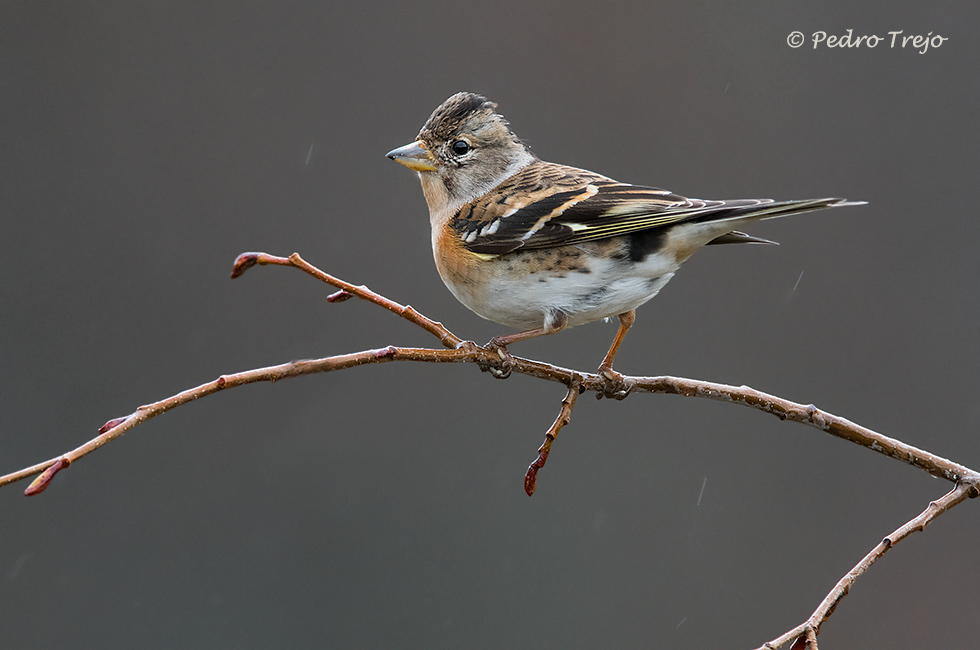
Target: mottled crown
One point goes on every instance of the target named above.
(450, 116)
(472, 114)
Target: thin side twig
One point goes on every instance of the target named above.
(347, 290)
(564, 417)
(811, 627)
(804, 635)
(467, 351)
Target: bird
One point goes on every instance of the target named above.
(541, 246)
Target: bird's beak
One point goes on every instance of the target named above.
(414, 156)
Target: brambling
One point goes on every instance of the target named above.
(540, 246)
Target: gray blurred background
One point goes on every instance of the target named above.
(145, 145)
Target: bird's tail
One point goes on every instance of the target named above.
(736, 215)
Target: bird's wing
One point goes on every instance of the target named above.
(546, 205)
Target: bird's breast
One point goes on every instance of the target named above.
(587, 282)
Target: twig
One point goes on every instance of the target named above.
(247, 260)
(809, 629)
(784, 409)
(460, 351)
(118, 426)
(467, 351)
(810, 415)
(564, 417)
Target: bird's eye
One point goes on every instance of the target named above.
(461, 147)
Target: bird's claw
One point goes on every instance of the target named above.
(615, 385)
(501, 364)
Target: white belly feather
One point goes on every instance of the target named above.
(611, 287)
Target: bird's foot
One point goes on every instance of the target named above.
(616, 386)
(501, 364)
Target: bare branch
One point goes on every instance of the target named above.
(488, 357)
(804, 636)
(811, 627)
(118, 426)
(809, 415)
(564, 417)
(470, 352)
(811, 639)
(347, 290)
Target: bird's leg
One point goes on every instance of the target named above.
(616, 386)
(554, 322)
